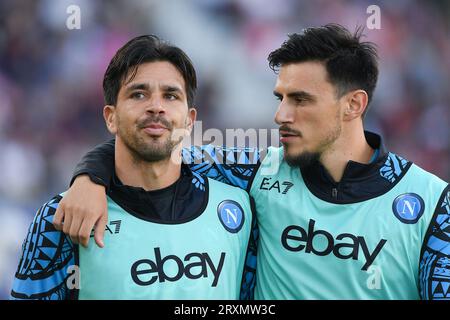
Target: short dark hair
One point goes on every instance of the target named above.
(350, 63)
(142, 49)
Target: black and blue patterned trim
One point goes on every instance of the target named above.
(249, 275)
(233, 166)
(434, 267)
(394, 168)
(46, 255)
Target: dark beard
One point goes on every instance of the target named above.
(150, 153)
(141, 150)
(307, 158)
(302, 160)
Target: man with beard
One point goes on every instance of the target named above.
(171, 233)
(339, 217)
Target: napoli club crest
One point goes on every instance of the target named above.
(231, 215)
(408, 207)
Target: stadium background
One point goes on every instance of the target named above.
(51, 97)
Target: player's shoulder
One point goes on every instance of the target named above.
(48, 209)
(274, 153)
(204, 183)
(271, 160)
(43, 241)
(222, 155)
(46, 253)
(427, 175)
(225, 188)
(225, 194)
(419, 174)
(407, 174)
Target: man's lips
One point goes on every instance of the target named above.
(287, 136)
(155, 129)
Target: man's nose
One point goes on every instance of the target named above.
(284, 114)
(155, 105)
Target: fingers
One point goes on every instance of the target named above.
(67, 223)
(100, 229)
(83, 205)
(59, 216)
(84, 234)
(74, 229)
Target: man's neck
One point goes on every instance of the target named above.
(147, 175)
(351, 146)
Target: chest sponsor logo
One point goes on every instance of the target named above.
(113, 227)
(346, 246)
(281, 187)
(408, 207)
(231, 215)
(193, 266)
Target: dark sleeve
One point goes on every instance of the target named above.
(249, 274)
(233, 166)
(97, 163)
(48, 261)
(434, 269)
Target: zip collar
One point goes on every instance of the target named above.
(178, 203)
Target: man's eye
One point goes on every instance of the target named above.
(279, 98)
(138, 95)
(170, 96)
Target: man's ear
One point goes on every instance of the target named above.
(356, 104)
(109, 114)
(190, 119)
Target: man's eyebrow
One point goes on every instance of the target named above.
(301, 95)
(171, 88)
(296, 95)
(146, 87)
(137, 86)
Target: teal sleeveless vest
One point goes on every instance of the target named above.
(313, 249)
(198, 259)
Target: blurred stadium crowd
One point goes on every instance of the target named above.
(51, 96)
